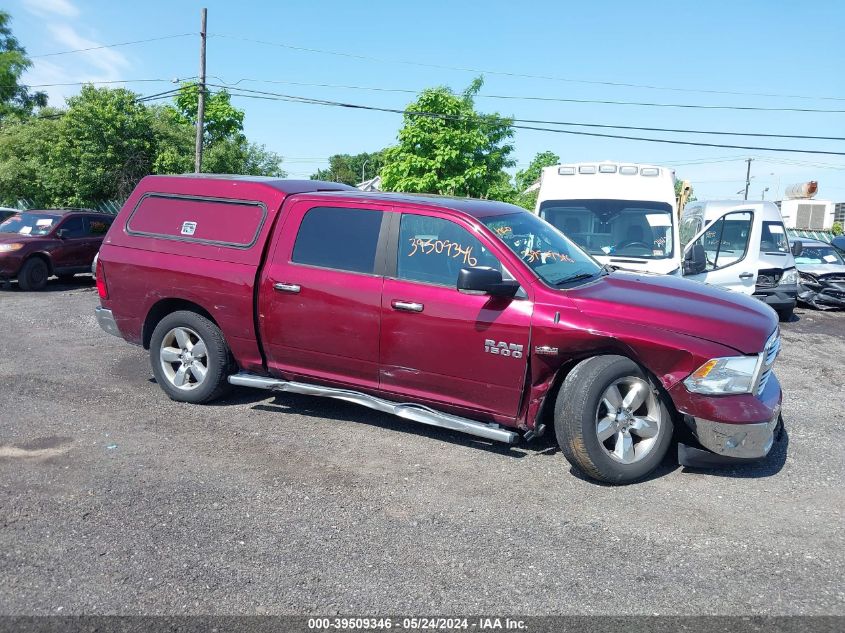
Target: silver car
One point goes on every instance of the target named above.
(821, 269)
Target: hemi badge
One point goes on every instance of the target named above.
(545, 349)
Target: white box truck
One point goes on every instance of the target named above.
(623, 214)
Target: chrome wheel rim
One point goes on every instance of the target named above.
(628, 420)
(184, 358)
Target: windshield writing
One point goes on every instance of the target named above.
(543, 248)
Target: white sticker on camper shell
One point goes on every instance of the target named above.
(189, 228)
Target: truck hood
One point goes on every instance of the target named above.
(679, 305)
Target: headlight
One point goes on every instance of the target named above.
(790, 277)
(8, 248)
(721, 376)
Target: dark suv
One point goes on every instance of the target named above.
(37, 244)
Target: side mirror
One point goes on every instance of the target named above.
(481, 280)
(695, 261)
(797, 248)
(62, 233)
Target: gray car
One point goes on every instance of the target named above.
(821, 269)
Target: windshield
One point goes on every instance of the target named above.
(544, 249)
(620, 228)
(29, 224)
(773, 238)
(819, 255)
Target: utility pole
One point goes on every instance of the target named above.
(201, 97)
(747, 177)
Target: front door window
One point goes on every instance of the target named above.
(726, 240)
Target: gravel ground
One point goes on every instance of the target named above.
(116, 500)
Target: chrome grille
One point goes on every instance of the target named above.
(770, 354)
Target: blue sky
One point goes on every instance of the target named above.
(777, 47)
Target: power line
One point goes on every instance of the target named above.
(257, 94)
(97, 82)
(96, 48)
(648, 104)
(614, 84)
(589, 125)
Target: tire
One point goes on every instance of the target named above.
(175, 359)
(785, 314)
(34, 274)
(583, 411)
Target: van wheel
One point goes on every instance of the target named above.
(34, 274)
(610, 422)
(189, 357)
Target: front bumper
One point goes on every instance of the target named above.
(733, 427)
(106, 320)
(736, 441)
(779, 297)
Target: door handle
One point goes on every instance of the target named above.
(746, 275)
(407, 306)
(292, 288)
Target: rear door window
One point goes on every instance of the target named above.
(338, 238)
(97, 226)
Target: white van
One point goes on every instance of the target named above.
(623, 214)
(741, 246)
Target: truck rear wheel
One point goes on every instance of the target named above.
(189, 357)
(610, 422)
(34, 274)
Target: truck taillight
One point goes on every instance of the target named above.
(102, 288)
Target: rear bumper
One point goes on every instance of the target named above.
(779, 297)
(106, 320)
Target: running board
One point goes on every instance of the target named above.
(415, 412)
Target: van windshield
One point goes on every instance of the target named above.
(773, 238)
(622, 228)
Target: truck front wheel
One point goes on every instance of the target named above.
(611, 423)
(189, 357)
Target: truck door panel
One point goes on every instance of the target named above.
(320, 294)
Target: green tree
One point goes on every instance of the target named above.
(530, 175)
(222, 119)
(239, 156)
(452, 149)
(106, 145)
(14, 97)
(175, 141)
(348, 168)
(25, 148)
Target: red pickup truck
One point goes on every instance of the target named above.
(472, 315)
